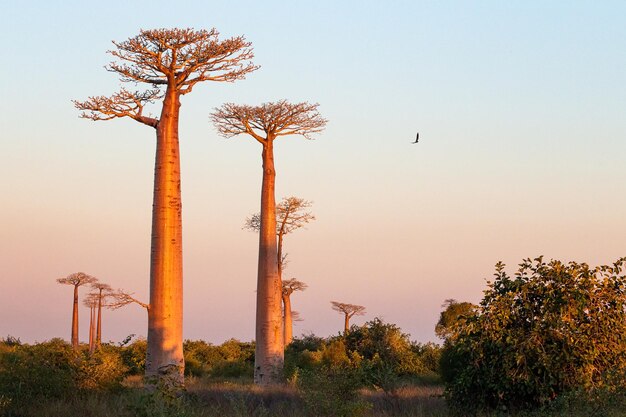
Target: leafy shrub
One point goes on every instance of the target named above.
(134, 356)
(332, 391)
(103, 370)
(384, 343)
(29, 373)
(552, 329)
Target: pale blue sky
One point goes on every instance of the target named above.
(520, 107)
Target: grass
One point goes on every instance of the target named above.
(240, 398)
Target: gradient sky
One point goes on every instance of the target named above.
(520, 108)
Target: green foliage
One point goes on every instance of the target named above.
(134, 356)
(30, 373)
(552, 329)
(453, 318)
(103, 370)
(384, 344)
(332, 390)
(232, 359)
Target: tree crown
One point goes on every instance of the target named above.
(348, 309)
(175, 58)
(290, 216)
(292, 284)
(269, 120)
(77, 279)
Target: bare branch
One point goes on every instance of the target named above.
(269, 120)
(349, 310)
(122, 104)
(292, 284)
(290, 216)
(77, 279)
(122, 298)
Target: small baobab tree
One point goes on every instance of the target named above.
(102, 291)
(291, 215)
(171, 62)
(349, 311)
(265, 123)
(91, 302)
(76, 279)
(289, 286)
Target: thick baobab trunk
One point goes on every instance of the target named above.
(164, 361)
(99, 325)
(346, 324)
(269, 353)
(75, 319)
(288, 320)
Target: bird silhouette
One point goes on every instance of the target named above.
(417, 138)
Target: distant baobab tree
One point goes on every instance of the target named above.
(349, 311)
(171, 62)
(91, 302)
(290, 216)
(265, 123)
(289, 286)
(77, 279)
(103, 291)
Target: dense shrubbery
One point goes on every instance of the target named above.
(54, 370)
(232, 359)
(552, 330)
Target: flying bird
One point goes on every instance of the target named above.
(417, 138)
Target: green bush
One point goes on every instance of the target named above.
(102, 370)
(553, 329)
(332, 391)
(42, 371)
(134, 356)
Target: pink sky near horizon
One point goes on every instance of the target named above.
(521, 154)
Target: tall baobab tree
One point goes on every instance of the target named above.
(291, 215)
(265, 123)
(77, 279)
(171, 62)
(91, 302)
(289, 286)
(103, 291)
(349, 311)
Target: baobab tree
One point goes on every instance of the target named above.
(265, 123)
(91, 302)
(291, 215)
(102, 291)
(77, 279)
(349, 311)
(289, 286)
(171, 62)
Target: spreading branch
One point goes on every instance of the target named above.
(269, 120)
(174, 59)
(350, 310)
(121, 298)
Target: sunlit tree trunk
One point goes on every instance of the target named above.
(99, 325)
(75, 319)
(288, 319)
(269, 354)
(346, 324)
(92, 329)
(165, 315)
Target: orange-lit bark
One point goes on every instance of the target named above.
(99, 324)
(288, 330)
(172, 62)
(269, 354)
(165, 316)
(75, 318)
(346, 323)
